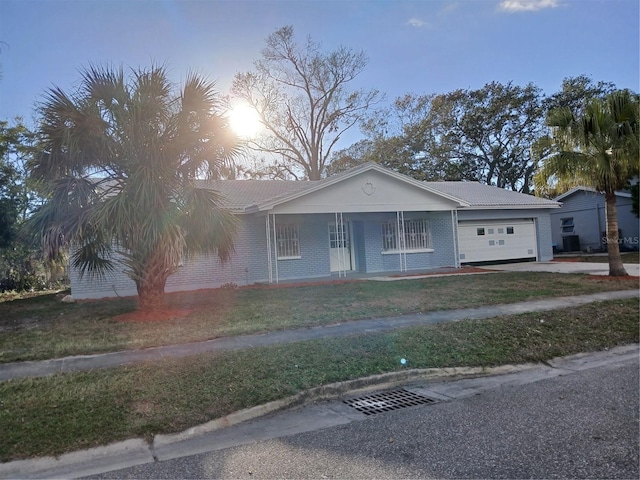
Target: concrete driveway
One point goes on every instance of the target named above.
(563, 267)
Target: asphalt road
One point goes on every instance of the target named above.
(583, 425)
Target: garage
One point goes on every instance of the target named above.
(497, 240)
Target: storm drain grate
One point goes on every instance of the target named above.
(387, 401)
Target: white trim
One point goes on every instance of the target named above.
(346, 232)
(269, 261)
(404, 252)
(321, 184)
(510, 207)
(568, 193)
(535, 238)
(456, 240)
(275, 247)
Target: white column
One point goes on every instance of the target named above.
(340, 237)
(401, 246)
(454, 228)
(269, 263)
(275, 249)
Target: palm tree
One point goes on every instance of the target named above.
(598, 149)
(121, 158)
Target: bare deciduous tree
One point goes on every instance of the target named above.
(302, 97)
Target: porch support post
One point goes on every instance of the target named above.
(343, 250)
(275, 247)
(454, 228)
(340, 242)
(404, 242)
(269, 262)
(398, 238)
(402, 250)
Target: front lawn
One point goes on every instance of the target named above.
(64, 412)
(42, 327)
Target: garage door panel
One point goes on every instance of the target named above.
(496, 240)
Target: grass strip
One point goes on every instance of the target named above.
(49, 416)
(42, 327)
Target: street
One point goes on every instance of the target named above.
(580, 425)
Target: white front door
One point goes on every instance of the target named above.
(340, 247)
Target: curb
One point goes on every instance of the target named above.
(81, 463)
(137, 451)
(332, 391)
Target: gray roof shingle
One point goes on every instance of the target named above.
(240, 194)
(480, 195)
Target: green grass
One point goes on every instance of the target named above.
(42, 327)
(49, 416)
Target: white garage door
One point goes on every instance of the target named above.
(493, 240)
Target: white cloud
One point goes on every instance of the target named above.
(416, 22)
(527, 5)
(449, 8)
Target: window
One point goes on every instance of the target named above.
(480, 231)
(339, 237)
(567, 225)
(490, 231)
(417, 235)
(287, 241)
(509, 230)
(501, 230)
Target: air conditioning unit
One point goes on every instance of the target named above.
(571, 243)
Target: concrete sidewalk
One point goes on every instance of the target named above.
(588, 268)
(89, 362)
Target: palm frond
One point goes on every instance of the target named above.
(93, 256)
(152, 144)
(208, 227)
(199, 96)
(599, 147)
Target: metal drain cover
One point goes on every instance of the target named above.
(387, 401)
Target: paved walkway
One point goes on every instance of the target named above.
(89, 362)
(589, 268)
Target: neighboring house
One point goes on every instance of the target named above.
(366, 220)
(580, 224)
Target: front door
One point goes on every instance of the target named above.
(340, 247)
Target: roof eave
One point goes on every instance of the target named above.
(568, 193)
(511, 207)
(352, 173)
(620, 193)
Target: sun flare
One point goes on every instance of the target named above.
(244, 120)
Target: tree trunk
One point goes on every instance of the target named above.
(151, 283)
(151, 296)
(616, 268)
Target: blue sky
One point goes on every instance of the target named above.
(426, 46)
